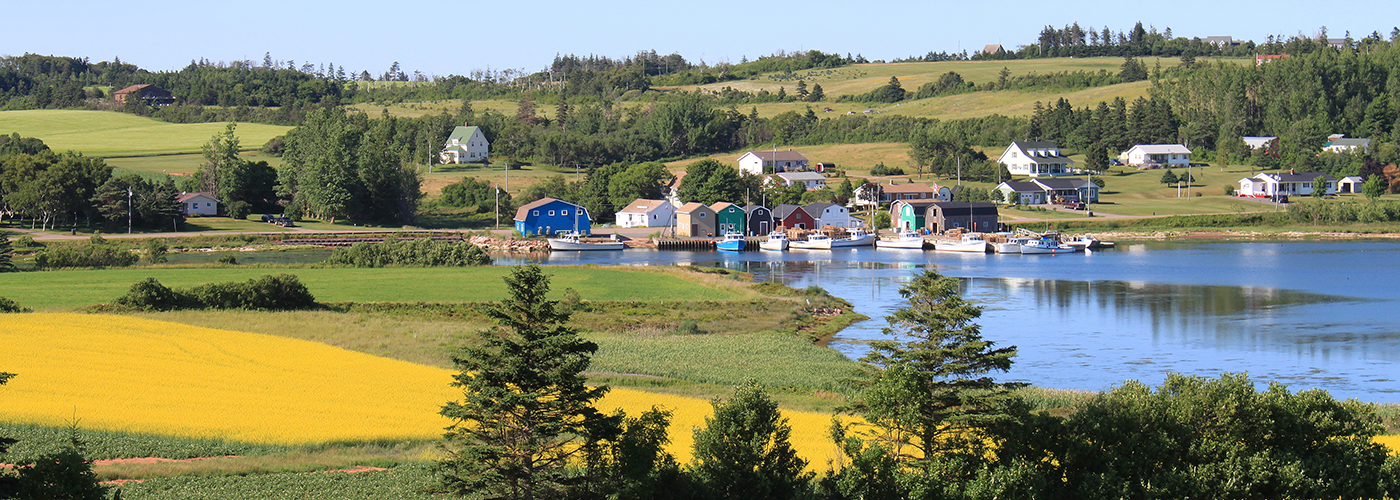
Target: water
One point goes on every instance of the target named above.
(1306, 314)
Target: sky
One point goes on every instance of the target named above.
(441, 38)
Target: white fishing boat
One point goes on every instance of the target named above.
(777, 241)
(1045, 246)
(905, 240)
(814, 241)
(971, 243)
(1011, 245)
(573, 241)
(855, 237)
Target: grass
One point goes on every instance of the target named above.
(60, 290)
(107, 134)
(182, 164)
(411, 481)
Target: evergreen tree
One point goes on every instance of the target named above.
(817, 93)
(62, 475)
(802, 92)
(743, 451)
(1169, 178)
(931, 397)
(6, 259)
(526, 413)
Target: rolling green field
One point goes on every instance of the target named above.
(106, 133)
(58, 290)
(183, 163)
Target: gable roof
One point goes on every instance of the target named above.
(1352, 142)
(953, 208)
(1035, 150)
(691, 207)
(818, 207)
(463, 133)
(643, 206)
(184, 197)
(1157, 149)
(1070, 183)
(524, 210)
(777, 156)
(1295, 177)
(751, 207)
(802, 176)
(992, 48)
(783, 211)
(132, 88)
(1022, 187)
(914, 187)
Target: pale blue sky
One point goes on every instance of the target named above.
(440, 37)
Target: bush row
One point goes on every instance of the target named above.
(1319, 212)
(93, 255)
(282, 292)
(424, 252)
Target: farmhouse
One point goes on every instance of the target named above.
(1346, 145)
(1269, 185)
(1165, 155)
(695, 220)
(547, 216)
(942, 216)
(1035, 159)
(198, 204)
(729, 217)
(466, 144)
(150, 94)
(646, 213)
(812, 181)
(1024, 193)
(760, 221)
(772, 162)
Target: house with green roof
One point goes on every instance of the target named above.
(466, 144)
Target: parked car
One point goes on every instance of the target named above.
(1076, 205)
(1115, 162)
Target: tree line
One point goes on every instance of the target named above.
(935, 424)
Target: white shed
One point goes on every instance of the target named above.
(198, 204)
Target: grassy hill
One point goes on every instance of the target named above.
(109, 134)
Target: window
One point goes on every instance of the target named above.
(537, 213)
(551, 213)
(702, 215)
(563, 212)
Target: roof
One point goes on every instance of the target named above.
(1023, 187)
(751, 207)
(132, 88)
(906, 188)
(721, 206)
(1355, 143)
(777, 155)
(1033, 149)
(1295, 177)
(524, 210)
(802, 176)
(1352, 178)
(184, 197)
(691, 207)
(1158, 149)
(463, 133)
(818, 207)
(784, 210)
(963, 208)
(992, 48)
(643, 206)
(1061, 183)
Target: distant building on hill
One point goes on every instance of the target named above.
(994, 48)
(466, 144)
(150, 94)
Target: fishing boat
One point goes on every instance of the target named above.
(814, 241)
(855, 237)
(1045, 246)
(905, 240)
(1011, 245)
(777, 240)
(572, 240)
(733, 241)
(972, 243)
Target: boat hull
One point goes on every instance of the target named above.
(1007, 247)
(901, 244)
(731, 245)
(863, 241)
(774, 245)
(961, 246)
(562, 244)
(810, 245)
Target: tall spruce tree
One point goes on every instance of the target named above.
(525, 416)
(6, 262)
(931, 396)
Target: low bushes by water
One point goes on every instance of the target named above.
(97, 255)
(1321, 212)
(282, 292)
(424, 252)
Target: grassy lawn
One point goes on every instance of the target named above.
(106, 133)
(58, 290)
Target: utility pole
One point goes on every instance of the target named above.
(498, 206)
(128, 210)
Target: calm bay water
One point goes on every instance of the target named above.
(1306, 314)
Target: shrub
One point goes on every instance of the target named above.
(10, 306)
(238, 210)
(150, 295)
(1229, 190)
(27, 242)
(93, 255)
(282, 292)
(156, 250)
(423, 252)
(228, 259)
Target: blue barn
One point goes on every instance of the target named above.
(547, 216)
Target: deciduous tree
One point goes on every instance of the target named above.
(744, 451)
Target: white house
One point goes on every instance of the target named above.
(1344, 145)
(1068, 189)
(812, 180)
(1024, 193)
(198, 204)
(831, 214)
(1035, 159)
(772, 162)
(1350, 184)
(1268, 142)
(1268, 185)
(466, 144)
(646, 213)
(1166, 155)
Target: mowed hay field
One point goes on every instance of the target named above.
(138, 375)
(57, 290)
(108, 133)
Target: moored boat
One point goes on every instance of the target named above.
(573, 241)
(971, 243)
(814, 241)
(905, 240)
(1011, 245)
(855, 237)
(1045, 246)
(777, 240)
(733, 241)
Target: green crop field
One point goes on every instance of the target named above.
(106, 133)
(57, 290)
(183, 163)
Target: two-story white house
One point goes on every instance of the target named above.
(466, 144)
(772, 162)
(1036, 159)
(1165, 155)
(646, 213)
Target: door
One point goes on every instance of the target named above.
(694, 229)
(763, 228)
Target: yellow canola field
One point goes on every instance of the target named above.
(131, 374)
